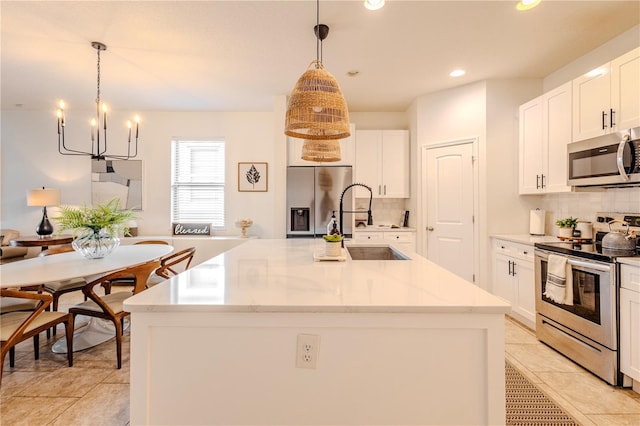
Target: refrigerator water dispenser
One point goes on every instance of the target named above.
(300, 219)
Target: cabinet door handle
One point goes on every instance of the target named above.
(379, 190)
(385, 189)
(542, 180)
(514, 269)
(604, 122)
(612, 119)
(429, 228)
(537, 181)
(510, 268)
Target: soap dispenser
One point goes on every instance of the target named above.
(332, 226)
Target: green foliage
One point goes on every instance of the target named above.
(333, 238)
(569, 222)
(106, 216)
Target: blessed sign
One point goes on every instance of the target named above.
(198, 229)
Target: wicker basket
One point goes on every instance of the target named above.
(317, 109)
(321, 151)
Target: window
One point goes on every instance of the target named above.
(197, 182)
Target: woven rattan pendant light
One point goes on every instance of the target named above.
(317, 109)
(321, 151)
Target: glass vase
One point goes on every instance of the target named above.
(95, 245)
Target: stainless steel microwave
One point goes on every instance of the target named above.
(612, 159)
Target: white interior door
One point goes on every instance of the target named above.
(449, 196)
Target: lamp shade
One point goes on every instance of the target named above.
(43, 197)
(321, 151)
(317, 109)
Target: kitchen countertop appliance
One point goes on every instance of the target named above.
(608, 160)
(313, 194)
(585, 327)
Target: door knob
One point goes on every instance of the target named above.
(429, 228)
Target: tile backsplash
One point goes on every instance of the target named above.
(385, 211)
(584, 205)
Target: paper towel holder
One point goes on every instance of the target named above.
(537, 222)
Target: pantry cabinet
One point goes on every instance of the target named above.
(630, 321)
(605, 99)
(382, 162)
(347, 152)
(513, 279)
(544, 132)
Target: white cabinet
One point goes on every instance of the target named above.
(625, 90)
(513, 279)
(544, 132)
(347, 152)
(400, 239)
(630, 321)
(605, 99)
(382, 162)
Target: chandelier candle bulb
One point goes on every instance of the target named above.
(104, 109)
(129, 126)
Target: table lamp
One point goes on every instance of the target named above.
(43, 198)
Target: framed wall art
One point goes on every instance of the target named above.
(120, 179)
(253, 177)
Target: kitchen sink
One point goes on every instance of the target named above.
(379, 252)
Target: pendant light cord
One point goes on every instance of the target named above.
(318, 43)
(98, 87)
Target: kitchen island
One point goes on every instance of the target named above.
(263, 334)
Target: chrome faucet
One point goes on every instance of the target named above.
(342, 211)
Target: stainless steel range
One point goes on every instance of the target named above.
(584, 326)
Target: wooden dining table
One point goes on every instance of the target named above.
(66, 266)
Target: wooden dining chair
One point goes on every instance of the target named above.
(129, 280)
(58, 288)
(172, 264)
(17, 326)
(109, 307)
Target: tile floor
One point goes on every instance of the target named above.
(94, 392)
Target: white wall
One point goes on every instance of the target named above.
(487, 111)
(30, 160)
(603, 54)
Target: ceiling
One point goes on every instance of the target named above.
(238, 55)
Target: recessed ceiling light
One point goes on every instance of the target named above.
(457, 73)
(527, 4)
(373, 4)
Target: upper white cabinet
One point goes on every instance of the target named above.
(382, 162)
(605, 100)
(347, 152)
(545, 131)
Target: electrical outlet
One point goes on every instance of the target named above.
(307, 351)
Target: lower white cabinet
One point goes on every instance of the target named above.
(630, 321)
(513, 279)
(400, 239)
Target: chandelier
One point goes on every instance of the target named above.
(316, 109)
(98, 140)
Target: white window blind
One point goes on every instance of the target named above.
(197, 182)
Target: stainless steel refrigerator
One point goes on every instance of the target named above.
(313, 193)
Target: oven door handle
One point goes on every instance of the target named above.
(596, 266)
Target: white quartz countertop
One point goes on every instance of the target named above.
(282, 276)
(527, 238)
